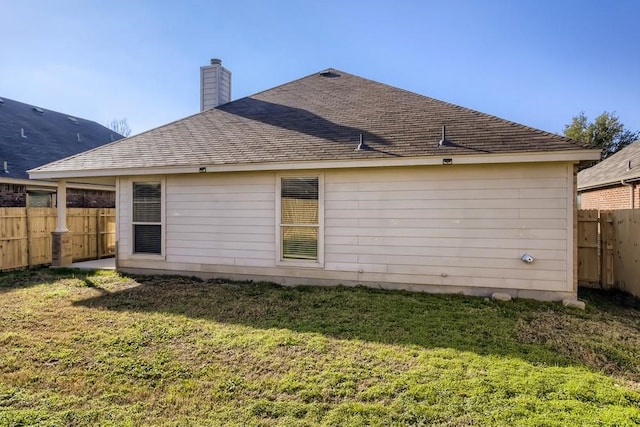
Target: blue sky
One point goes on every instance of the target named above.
(537, 62)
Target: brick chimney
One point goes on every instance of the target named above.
(215, 85)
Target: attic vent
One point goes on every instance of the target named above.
(38, 110)
(329, 73)
(73, 120)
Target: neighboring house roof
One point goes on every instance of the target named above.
(31, 136)
(623, 165)
(317, 118)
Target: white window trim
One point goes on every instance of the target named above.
(280, 261)
(163, 222)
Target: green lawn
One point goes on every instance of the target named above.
(81, 348)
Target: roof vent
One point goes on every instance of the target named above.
(22, 133)
(38, 110)
(78, 134)
(443, 141)
(329, 73)
(5, 166)
(73, 120)
(361, 145)
(1, 101)
(629, 165)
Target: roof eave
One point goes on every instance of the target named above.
(551, 156)
(608, 183)
(34, 183)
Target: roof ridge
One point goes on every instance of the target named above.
(276, 87)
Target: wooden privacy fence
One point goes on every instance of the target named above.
(25, 235)
(609, 249)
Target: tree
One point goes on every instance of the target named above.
(120, 126)
(605, 132)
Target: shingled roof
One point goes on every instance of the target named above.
(623, 165)
(318, 118)
(31, 136)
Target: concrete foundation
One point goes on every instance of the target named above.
(295, 281)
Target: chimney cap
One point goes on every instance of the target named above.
(216, 61)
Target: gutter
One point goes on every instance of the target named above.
(632, 187)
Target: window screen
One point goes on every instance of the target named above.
(147, 218)
(299, 218)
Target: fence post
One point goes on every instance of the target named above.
(29, 237)
(98, 233)
(606, 245)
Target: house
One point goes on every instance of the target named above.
(336, 179)
(31, 136)
(613, 183)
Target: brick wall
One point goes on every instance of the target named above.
(15, 196)
(616, 197)
(90, 198)
(12, 195)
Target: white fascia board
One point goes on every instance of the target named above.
(33, 183)
(554, 156)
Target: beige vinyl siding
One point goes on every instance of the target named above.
(224, 219)
(213, 219)
(451, 225)
(459, 227)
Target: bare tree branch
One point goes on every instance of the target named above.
(120, 126)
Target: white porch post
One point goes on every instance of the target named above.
(61, 202)
(61, 243)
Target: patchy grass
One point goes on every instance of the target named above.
(80, 348)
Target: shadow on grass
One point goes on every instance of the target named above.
(612, 301)
(26, 278)
(391, 317)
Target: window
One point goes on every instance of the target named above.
(147, 218)
(299, 227)
(40, 199)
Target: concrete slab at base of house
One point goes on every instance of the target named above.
(305, 281)
(96, 264)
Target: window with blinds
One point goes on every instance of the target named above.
(147, 218)
(299, 218)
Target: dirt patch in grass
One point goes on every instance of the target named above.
(606, 336)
